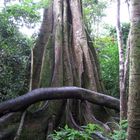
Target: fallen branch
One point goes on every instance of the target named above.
(22, 102)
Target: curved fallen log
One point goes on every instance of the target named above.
(22, 102)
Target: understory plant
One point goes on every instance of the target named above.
(89, 131)
(109, 63)
(121, 133)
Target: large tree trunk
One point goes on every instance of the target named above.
(63, 56)
(73, 62)
(134, 79)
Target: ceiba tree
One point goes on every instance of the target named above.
(63, 56)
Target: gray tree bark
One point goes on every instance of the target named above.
(134, 79)
(122, 75)
(24, 101)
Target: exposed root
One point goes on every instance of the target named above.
(5, 118)
(73, 123)
(44, 107)
(20, 126)
(9, 118)
(69, 117)
(22, 102)
(90, 118)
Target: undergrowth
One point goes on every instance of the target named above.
(90, 132)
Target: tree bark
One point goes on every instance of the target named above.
(122, 79)
(68, 60)
(134, 79)
(36, 95)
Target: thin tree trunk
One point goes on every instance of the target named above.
(123, 97)
(128, 7)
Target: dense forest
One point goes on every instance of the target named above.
(74, 78)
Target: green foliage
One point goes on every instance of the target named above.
(14, 55)
(14, 60)
(15, 47)
(90, 128)
(121, 133)
(93, 13)
(112, 31)
(70, 134)
(67, 133)
(24, 13)
(109, 61)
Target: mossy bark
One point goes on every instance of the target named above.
(134, 79)
(68, 61)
